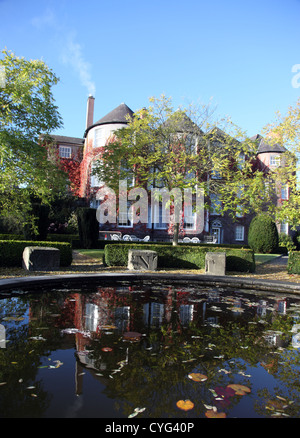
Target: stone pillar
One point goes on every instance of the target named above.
(38, 258)
(215, 263)
(144, 260)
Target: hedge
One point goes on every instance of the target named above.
(11, 251)
(293, 266)
(183, 256)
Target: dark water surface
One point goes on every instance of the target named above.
(137, 351)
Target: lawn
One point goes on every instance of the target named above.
(263, 258)
(93, 253)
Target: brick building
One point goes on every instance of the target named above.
(87, 150)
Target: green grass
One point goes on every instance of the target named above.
(93, 253)
(263, 258)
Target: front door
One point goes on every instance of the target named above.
(216, 232)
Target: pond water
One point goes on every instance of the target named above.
(148, 351)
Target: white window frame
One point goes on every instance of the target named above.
(95, 182)
(65, 152)
(99, 137)
(274, 160)
(125, 217)
(240, 233)
(285, 192)
(284, 228)
(159, 224)
(189, 218)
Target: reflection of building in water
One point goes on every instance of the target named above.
(262, 308)
(122, 318)
(91, 313)
(281, 306)
(2, 336)
(186, 313)
(274, 338)
(153, 314)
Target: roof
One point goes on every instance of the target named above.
(65, 139)
(264, 146)
(180, 122)
(121, 114)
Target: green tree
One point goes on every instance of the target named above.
(285, 131)
(28, 114)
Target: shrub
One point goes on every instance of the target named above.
(40, 213)
(263, 234)
(11, 251)
(285, 241)
(293, 266)
(88, 227)
(182, 256)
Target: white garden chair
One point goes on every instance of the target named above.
(195, 240)
(186, 240)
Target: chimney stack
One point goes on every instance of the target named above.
(90, 111)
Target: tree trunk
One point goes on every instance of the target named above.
(176, 234)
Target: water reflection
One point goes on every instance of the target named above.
(138, 345)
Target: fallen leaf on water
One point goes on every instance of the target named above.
(239, 389)
(185, 405)
(197, 377)
(211, 413)
(3, 383)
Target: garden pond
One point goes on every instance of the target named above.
(148, 350)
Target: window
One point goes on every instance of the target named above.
(239, 232)
(95, 181)
(285, 191)
(284, 228)
(125, 219)
(241, 160)
(189, 218)
(99, 137)
(65, 152)
(274, 160)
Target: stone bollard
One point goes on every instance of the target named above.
(144, 260)
(215, 263)
(38, 258)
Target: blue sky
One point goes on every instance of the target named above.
(240, 54)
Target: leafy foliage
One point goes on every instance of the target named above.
(28, 114)
(263, 234)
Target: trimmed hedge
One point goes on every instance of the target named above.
(11, 251)
(182, 256)
(263, 235)
(293, 266)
